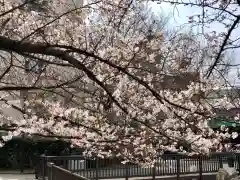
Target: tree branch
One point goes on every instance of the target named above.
(24, 47)
(17, 7)
(121, 69)
(211, 68)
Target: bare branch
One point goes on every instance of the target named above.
(235, 23)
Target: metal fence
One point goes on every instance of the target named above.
(112, 168)
(58, 173)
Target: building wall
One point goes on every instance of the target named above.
(9, 111)
(177, 82)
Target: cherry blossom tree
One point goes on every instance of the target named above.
(120, 74)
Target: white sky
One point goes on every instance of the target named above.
(180, 17)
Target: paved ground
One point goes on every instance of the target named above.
(17, 176)
(209, 176)
(206, 176)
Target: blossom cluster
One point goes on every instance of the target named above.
(124, 105)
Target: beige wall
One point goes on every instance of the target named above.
(177, 82)
(10, 111)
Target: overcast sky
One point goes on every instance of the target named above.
(180, 17)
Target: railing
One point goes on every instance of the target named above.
(166, 165)
(58, 173)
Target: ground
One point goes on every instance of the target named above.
(17, 176)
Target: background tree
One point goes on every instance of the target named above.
(220, 17)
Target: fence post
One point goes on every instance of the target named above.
(50, 167)
(238, 162)
(178, 167)
(21, 158)
(200, 167)
(97, 165)
(154, 171)
(220, 161)
(231, 160)
(127, 171)
(37, 165)
(43, 165)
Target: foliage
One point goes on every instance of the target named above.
(19, 152)
(224, 175)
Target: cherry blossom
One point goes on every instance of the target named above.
(118, 71)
